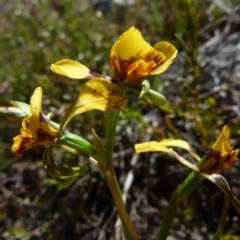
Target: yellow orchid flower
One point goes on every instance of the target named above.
(36, 128)
(131, 59)
(221, 156)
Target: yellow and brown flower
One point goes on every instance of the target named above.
(221, 156)
(132, 58)
(36, 128)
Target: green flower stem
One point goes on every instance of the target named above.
(218, 234)
(128, 227)
(168, 217)
(111, 124)
(192, 182)
(110, 177)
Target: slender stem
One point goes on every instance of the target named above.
(128, 227)
(168, 217)
(218, 234)
(111, 124)
(192, 182)
(110, 177)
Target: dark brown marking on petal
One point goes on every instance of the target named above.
(93, 91)
(157, 59)
(20, 150)
(24, 145)
(115, 57)
(43, 136)
(122, 101)
(114, 92)
(213, 162)
(27, 123)
(116, 106)
(40, 117)
(229, 160)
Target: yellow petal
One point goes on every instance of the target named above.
(38, 124)
(150, 147)
(71, 69)
(181, 144)
(223, 142)
(130, 45)
(169, 51)
(36, 102)
(164, 146)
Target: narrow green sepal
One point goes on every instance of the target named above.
(78, 143)
(12, 114)
(100, 149)
(22, 106)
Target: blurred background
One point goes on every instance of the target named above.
(202, 86)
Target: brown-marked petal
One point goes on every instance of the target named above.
(169, 51)
(99, 94)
